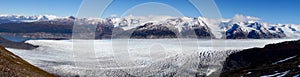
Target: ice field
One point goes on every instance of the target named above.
(135, 57)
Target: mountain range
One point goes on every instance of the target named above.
(146, 27)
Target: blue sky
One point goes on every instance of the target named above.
(273, 11)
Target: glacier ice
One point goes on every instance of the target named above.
(151, 57)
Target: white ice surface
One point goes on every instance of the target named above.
(280, 61)
(149, 57)
(280, 74)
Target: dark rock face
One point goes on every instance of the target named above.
(41, 29)
(254, 34)
(13, 66)
(34, 27)
(236, 32)
(262, 61)
(153, 32)
(200, 32)
(103, 31)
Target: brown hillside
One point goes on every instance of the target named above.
(13, 66)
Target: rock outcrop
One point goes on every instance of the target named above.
(282, 58)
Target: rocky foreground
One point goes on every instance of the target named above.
(282, 59)
(13, 66)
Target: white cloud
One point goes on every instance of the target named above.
(241, 18)
(113, 15)
(252, 18)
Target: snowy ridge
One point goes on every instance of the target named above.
(21, 17)
(249, 26)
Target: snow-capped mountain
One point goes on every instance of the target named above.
(22, 18)
(241, 27)
(250, 27)
(238, 27)
(164, 26)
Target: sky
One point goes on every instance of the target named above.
(272, 11)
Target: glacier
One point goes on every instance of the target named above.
(149, 57)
